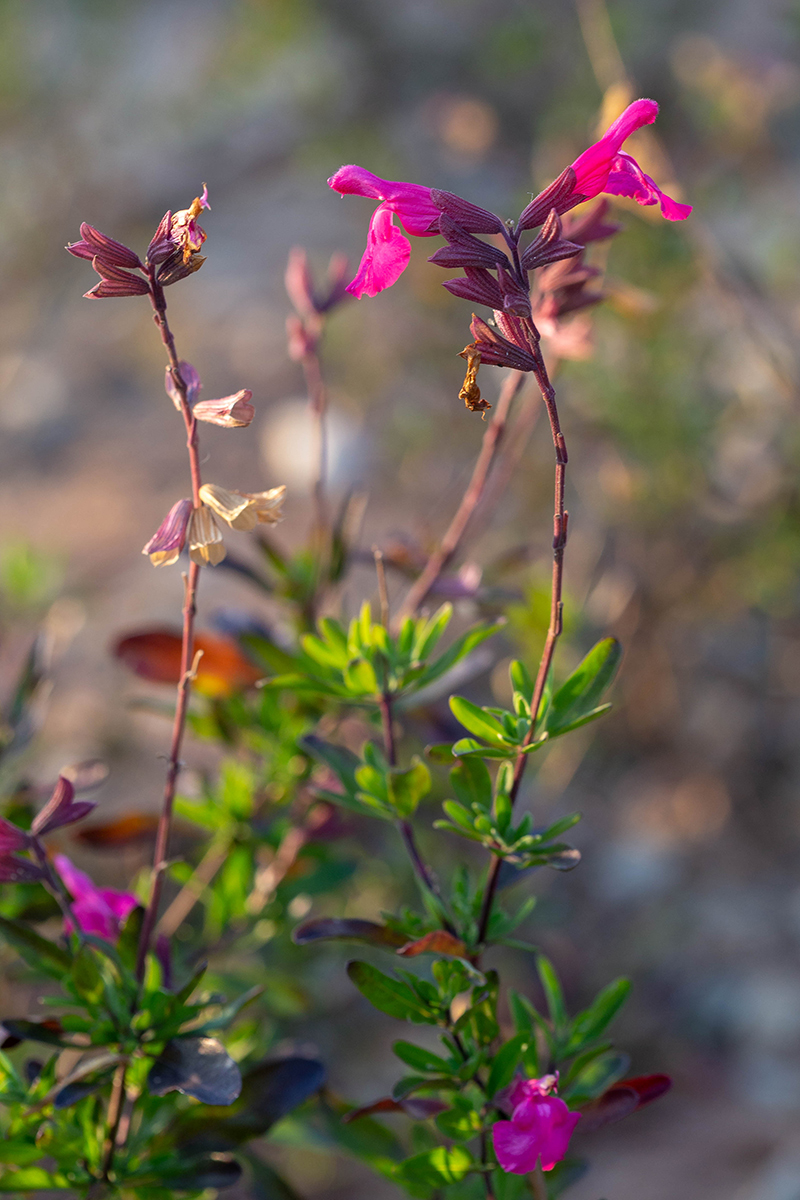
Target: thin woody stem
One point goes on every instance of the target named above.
(405, 827)
(449, 544)
(560, 518)
(160, 853)
(318, 401)
(115, 1106)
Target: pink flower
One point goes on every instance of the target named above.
(388, 251)
(539, 1130)
(603, 168)
(97, 910)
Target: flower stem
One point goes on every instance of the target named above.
(160, 853)
(449, 544)
(560, 517)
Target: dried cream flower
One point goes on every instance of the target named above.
(205, 540)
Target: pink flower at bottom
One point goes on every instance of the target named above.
(101, 911)
(539, 1130)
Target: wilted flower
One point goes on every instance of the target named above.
(186, 234)
(231, 412)
(190, 378)
(167, 542)
(539, 1130)
(100, 911)
(205, 540)
(244, 510)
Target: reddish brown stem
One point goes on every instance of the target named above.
(318, 402)
(449, 544)
(161, 851)
(560, 519)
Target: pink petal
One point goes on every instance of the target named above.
(385, 258)
(593, 166)
(121, 904)
(78, 884)
(628, 179)
(516, 1151)
(410, 201)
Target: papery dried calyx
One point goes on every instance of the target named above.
(205, 539)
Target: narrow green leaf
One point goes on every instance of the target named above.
(429, 632)
(420, 1059)
(389, 995)
(472, 783)
(580, 694)
(37, 951)
(590, 1024)
(406, 788)
(553, 994)
(478, 721)
(505, 1063)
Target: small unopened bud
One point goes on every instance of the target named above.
(302, 341)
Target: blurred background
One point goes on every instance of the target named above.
(682, 427)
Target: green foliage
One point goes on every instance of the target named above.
(363, 663)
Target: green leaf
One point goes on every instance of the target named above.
(505, 1063)
(436, 1168)
(389, 995)
(472, 783)
(553, 993)
(477, 720)
(470, 748)
(406, 788)
(33, 1179)
(86, 976)
(521, 680)
(577, 699)
(420, 1059)
(460, 648)
(590, 1024)
(429, 632)
(35, 950)
(360, 678)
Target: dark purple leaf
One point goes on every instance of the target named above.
(269, 1091)
(340, 928)
(48, 1031)
(199, 1067)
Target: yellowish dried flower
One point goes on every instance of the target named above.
(268, 506)
(233, 507)
(205, 539)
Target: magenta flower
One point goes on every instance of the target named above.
(539, 1130)
(388, 251)
(101, 911)
(603, 168)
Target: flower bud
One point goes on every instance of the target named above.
(94, 244)
(115, 282)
